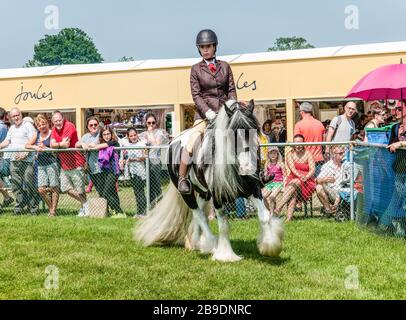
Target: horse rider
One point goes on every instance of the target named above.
(211, 84)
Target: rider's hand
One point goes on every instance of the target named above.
(210, 115)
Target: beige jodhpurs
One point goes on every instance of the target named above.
(198, 129)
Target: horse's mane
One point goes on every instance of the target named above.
(222, 173)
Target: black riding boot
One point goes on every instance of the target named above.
(184, 183)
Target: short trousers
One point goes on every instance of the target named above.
(273, 185)
(48, 176)
(73, 180)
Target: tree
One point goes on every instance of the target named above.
(290, 43)
(124, 59)
(69, 46)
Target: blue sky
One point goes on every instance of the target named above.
(158, 29)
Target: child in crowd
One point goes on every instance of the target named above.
(275, 167)
(108, 161)
(135, 160)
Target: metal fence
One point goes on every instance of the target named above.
(381, 206)
(306, 181)
(85, 183)
(311, 179)
(341, 181)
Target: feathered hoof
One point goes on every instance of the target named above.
(227, 257)
(270, 249)
(190, 245)
(208, 246)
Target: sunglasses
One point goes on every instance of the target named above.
(153, 122)
(93, 124)
(398, 109)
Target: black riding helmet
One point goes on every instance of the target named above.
(206, 36)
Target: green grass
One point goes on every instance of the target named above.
(97, 259)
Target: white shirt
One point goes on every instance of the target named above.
(342, 174)
(136, 167)
(18, 138)
(154, 153)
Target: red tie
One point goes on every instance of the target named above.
(212, 67)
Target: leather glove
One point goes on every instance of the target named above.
(210, 115)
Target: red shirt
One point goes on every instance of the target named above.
(313, 131)
(73, 159)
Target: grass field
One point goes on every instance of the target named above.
(97, 259)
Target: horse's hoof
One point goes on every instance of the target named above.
(226, 258)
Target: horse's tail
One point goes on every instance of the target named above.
(167, 222)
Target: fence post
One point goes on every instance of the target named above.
(148, 168)
(352, 205)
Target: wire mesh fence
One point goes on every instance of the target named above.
(381, 204)
(339, 181)
(307, 180)
(124, 182)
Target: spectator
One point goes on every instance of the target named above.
(397, 144)
(48, 168)
(4, 161)
(342, 128)
(88, 142)
(379, 116)
(279, 134)
(313, 131)
(300, 184)
(267, 130)
(134, 159)
(378, 120)
(330, 181)
(72, 176)
(21, 167)
(398, 135)
(274, 167)
(108, 161)
(262, 139)
(154, 137)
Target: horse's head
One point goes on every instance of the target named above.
(230, 150)
(231, 106)
(244, 126)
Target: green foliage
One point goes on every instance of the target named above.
(290, 43)
(69, 46)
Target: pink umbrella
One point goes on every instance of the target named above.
(387, 82)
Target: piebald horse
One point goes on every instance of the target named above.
(225, 166)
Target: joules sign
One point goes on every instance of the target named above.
(37, 94)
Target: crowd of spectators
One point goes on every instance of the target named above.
(299, 172)
(42, 174)
(325, 170)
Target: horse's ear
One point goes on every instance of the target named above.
(251, 106)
